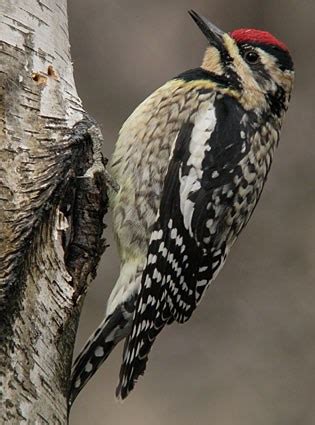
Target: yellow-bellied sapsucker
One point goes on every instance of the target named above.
(191, 163)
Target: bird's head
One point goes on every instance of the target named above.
(253, 62)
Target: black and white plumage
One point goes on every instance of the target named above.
(191, 162)
(210, 191)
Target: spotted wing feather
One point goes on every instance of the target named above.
(189, 242)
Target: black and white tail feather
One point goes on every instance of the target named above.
(113, 329)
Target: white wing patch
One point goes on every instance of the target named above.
(204, 125)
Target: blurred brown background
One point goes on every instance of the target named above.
(247, 357)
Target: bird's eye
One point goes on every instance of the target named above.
(251, 57)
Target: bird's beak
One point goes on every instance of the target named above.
(213, 34)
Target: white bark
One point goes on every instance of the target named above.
(50, 220)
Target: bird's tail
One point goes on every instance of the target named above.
(101, 343)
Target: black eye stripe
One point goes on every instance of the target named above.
(283, 57)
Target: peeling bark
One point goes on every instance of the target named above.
(52, 203)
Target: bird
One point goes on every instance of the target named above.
(191, 162)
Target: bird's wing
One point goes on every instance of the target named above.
(189, 242)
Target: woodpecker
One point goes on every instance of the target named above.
(191, 162)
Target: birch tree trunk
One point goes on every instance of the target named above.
(52, 203)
